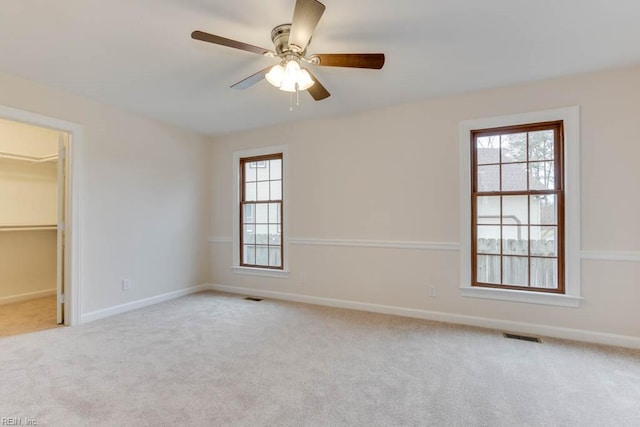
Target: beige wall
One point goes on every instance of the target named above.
(28, 193)
(27, 263)
(21, 138)
(143, 197)
(28, 196)
(393, 175)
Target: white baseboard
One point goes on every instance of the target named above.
(27, 296)
(134, 305)
(483, 322)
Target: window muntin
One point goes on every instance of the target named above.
(261, 212)
(517, 207)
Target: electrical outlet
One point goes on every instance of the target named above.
(302, 278)
(433, 291)
(126, 284)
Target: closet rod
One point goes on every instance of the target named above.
(32, 159)
(27, 227)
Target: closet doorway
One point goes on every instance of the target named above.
(32, 227)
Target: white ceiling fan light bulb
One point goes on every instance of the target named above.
(304, 80)
(275, 76)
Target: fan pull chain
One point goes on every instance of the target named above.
(297, 104)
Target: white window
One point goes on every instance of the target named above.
(518, 175)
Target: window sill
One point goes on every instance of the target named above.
(522, 296)
(264, 272)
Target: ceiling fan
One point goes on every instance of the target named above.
(291, 42)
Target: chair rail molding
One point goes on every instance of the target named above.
(623, 256)
(357, 243)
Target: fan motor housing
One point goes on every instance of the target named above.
(280, 38)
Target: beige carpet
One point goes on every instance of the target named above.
(215, 360)
(28, 316)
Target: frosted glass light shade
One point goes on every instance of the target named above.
(275, 75)
(288, 85)
(290, 78)
(304, 80)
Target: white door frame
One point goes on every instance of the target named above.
(72, 282)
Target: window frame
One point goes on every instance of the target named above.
(558, 190)
(571, 186)
(236, 266)
(243, 161)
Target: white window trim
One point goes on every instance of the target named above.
(571, 118)
(257, 271)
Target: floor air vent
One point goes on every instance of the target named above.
(253, 299)
(521, 337)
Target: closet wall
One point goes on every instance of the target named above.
(28, 197)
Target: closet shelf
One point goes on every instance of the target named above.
(28, 227)
(32, 159)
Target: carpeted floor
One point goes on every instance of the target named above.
(28, 316)
(214, 359)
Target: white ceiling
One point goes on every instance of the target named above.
(138, 54)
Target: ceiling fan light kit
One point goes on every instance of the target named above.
(289, 77)
(291, 42)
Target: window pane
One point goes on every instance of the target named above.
(515, 210)
(541, 176)
(262, 234)
(263, 190)
(488, 269)
(488, 149)
(544, 273)
(514, 177)
(262, 255)
(250, 171)
(515, 240)
(249, 213)
(515, 271)
(274, 234)
(488, 239)
(250, 192)
(274, 256)
(276, 190)
(489, 178)
(514, 147)
(274, 213)
(276, 169)
(249, 254)
(262, 168)
(488, 209)
(544, 241)
(541, 145)
(544, 209)
(249, 235)
(261, 213)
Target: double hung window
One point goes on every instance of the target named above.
(261, 212)
(517, 202)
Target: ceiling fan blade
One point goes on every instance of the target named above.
(317, 91)
(306, 16)
(353, 60)
(252, 79)
(211, 38)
